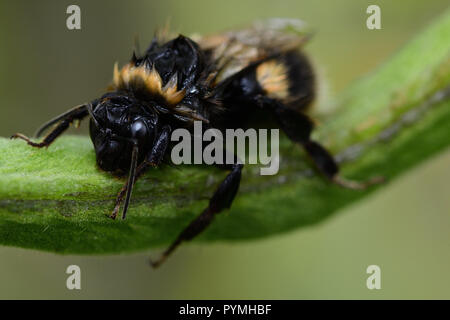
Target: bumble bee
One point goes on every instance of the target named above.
(225, 80)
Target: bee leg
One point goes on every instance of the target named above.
(298, 127)
(328, 166)
(63, 122)
(222, 199)
(153, 159)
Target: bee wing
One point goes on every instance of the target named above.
(233, 51)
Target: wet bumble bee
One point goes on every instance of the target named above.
(225, 80)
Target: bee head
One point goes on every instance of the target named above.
(119, 122)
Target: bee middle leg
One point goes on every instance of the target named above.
(298, 127)
(221, 200)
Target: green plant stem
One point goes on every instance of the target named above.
(56, 199)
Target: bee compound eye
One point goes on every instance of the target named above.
(139, 130)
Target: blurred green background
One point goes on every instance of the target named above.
(404, 228)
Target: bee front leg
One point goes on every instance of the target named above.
(62, 123)
(153, 159)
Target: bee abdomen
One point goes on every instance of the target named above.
(288, 78)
